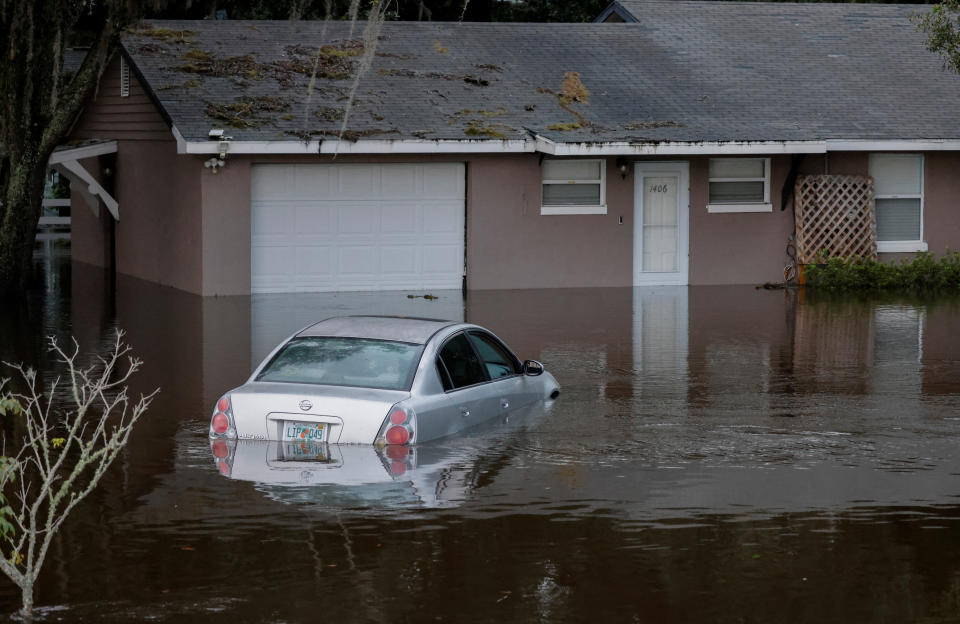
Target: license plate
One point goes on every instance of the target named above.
(303, 451)
(303, 431)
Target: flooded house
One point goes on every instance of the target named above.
(693, 143)
(719, 452)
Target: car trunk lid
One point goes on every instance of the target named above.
(339, 414)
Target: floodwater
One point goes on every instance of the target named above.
(717, 455)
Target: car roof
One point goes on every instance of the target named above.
(399, 328)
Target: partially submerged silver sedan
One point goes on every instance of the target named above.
(380, 380)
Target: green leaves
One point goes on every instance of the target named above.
(7, 530)
(924, 274)
(8, 468)
(9, 406)
(942, 27)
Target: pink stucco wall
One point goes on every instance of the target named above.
(158, 234)
(737, 248)
(941, 204)
(511, 245)
(225, 228)
(846, 163)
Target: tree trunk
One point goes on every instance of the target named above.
(22, 205)
(26, 596)
(37, 109)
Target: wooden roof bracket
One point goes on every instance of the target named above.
(67, 162)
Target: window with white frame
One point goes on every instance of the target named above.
(898, 189)
(739, 185)
(573, 187)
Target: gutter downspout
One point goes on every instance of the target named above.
(786, 194)
(791, 270)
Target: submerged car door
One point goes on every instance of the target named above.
(507, 382)
(482, 379)
(465, 382)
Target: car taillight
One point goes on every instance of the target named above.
(222, 423)
(399, 427)
(398, 416)
(397, 434)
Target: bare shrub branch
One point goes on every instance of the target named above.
(65, 448)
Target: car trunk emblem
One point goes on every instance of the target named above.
(305, 405)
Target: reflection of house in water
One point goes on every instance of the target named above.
(722, 347)
(941, 343)
(859, 348)
(898, 350)
(660, 342)
(833, 347)
(740, 347)
(765, 347)
(628, 343)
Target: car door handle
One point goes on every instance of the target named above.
(464, 412)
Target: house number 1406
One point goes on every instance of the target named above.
(658, 188)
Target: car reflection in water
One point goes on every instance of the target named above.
(435, 474)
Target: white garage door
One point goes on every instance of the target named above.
(356, 227)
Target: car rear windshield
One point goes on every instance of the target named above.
(345, 362)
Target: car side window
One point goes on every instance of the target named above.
(461, 362)
(497, 359)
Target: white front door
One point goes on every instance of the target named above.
(661, 231)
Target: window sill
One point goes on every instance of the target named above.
(573, 210)
(901, 246)
(739, 208)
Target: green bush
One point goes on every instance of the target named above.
(922, 274)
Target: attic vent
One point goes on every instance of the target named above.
(124, 78)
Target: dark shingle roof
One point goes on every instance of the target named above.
(72, 59)
(686, 71)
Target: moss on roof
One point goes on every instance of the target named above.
(246, 111)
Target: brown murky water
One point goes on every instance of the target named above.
(717, 455)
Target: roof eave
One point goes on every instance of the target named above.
(893, 145)
(552, 148)
(372, 146)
